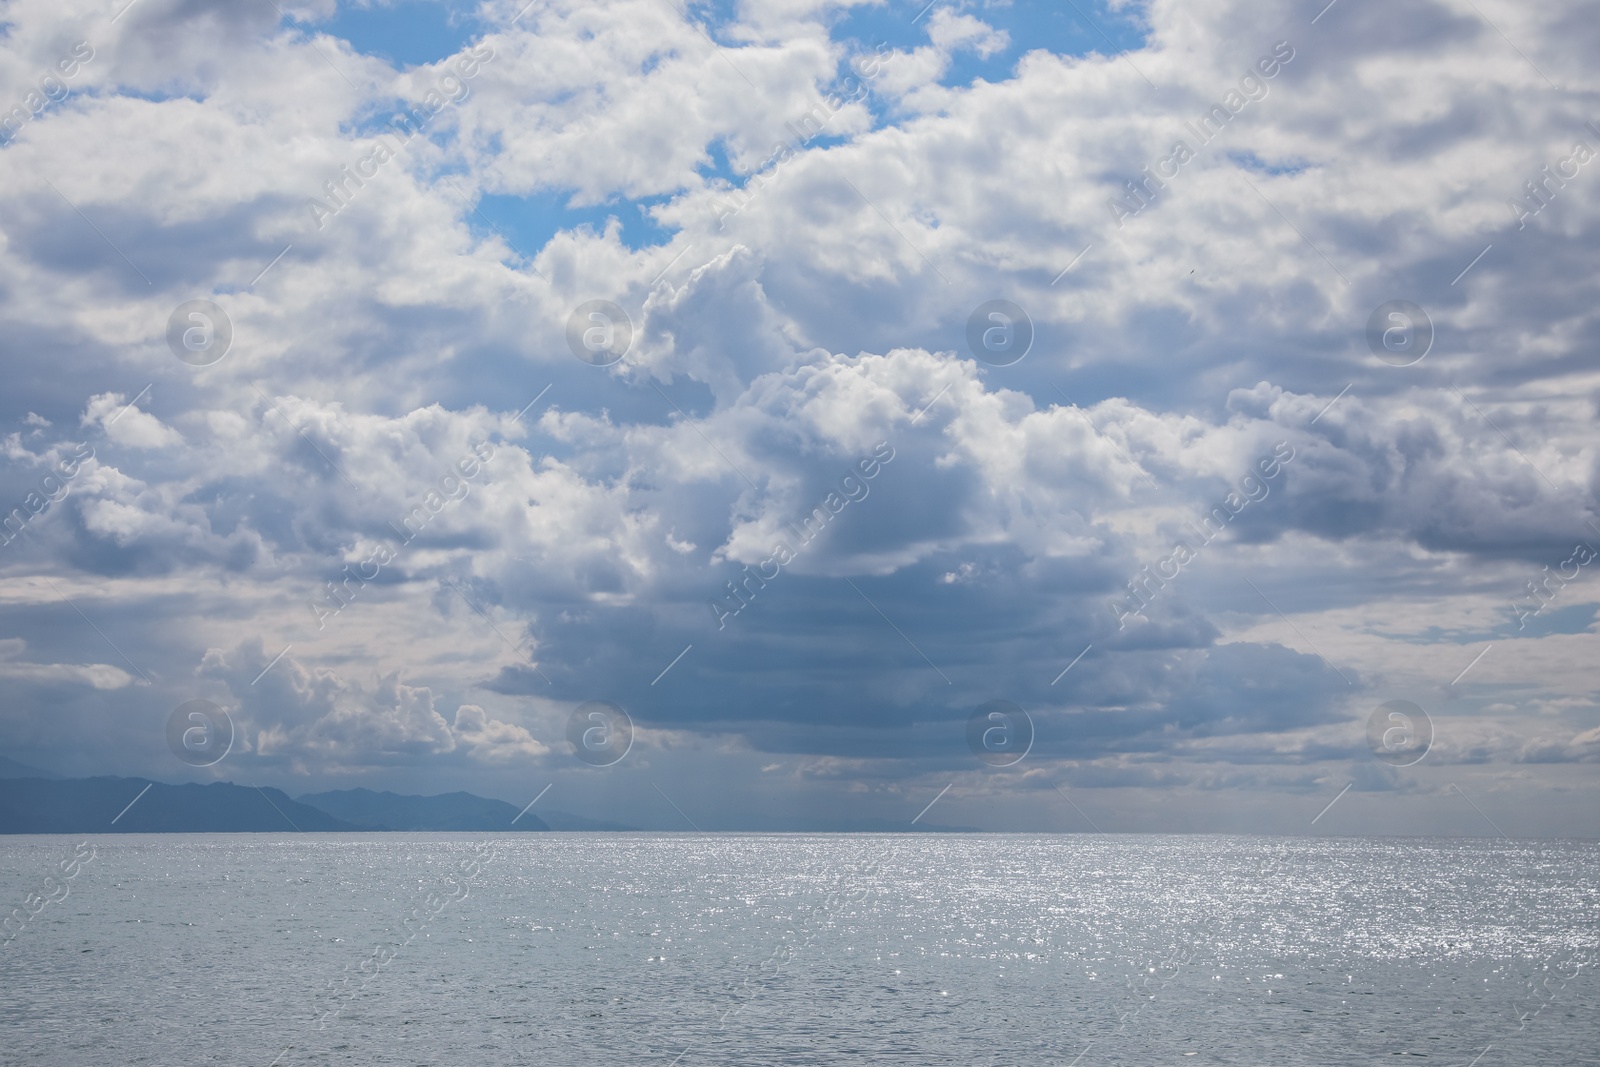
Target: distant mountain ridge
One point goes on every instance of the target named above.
(140, 806)
(367, 810)
(35, 801)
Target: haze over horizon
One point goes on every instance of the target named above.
(1210, 383)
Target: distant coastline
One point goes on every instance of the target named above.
(55, 805)
(35, 801)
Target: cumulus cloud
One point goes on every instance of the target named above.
(493, 741)
(400, 473)
(316, 717)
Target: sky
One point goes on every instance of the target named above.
(1085, 417)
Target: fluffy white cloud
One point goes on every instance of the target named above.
(311, 488)
(493, 741)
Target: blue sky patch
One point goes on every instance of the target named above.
(714, 15)
(1251, 161)
(1055, 27)
(529, 222)
(718, 166)
(1569, 619)
(406, 33)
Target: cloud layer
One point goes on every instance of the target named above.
(400, 532)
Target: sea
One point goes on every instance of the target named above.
(258, 950)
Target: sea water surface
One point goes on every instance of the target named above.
(1100, 950)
